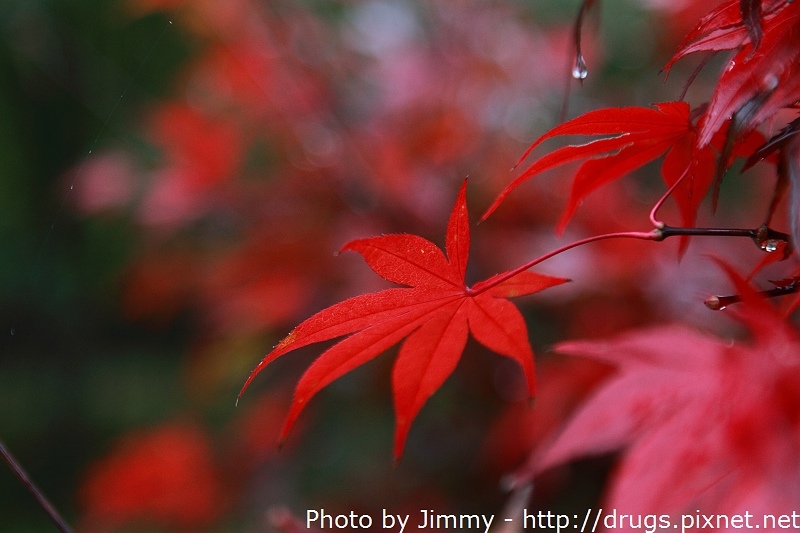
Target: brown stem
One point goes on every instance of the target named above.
(44, 503)
(765, 238)
(718, 303)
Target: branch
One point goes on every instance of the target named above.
(34, 490)
(764, 237)
(718, 303)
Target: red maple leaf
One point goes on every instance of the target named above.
(728, 26)
(763, 76)
(635, 136)
(434, 314)
(702, 422)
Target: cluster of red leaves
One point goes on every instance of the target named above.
(702, 422)
(636, 136)
(266, 82)
(758, 82)
(439, 309)
(302, 132)
(294, 130)
(762, 77)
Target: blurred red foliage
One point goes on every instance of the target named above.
(563, 385)
(298, 127)
(165, 475)
(703, 423)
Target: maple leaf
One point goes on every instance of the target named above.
(635, 136)
(728, 26)
(757, 83)
(434, 314)
(763, 76)
(702, 423)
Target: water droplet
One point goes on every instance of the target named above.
(730, 66)
(579, 70)
(769, 245)
(12, 331)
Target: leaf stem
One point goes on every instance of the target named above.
(654, 235)
(765, 238)
(657, 223)
(44, 503)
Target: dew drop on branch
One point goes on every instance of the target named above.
(579, 70)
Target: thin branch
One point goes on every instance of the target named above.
(764, 237)
(718, 303)
(44, 503)
(577, 63)
(579, 71)
(647, 236)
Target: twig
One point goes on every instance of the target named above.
(51, 512)
(765, 237)
(718, 303)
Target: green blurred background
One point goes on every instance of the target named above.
(73, 78)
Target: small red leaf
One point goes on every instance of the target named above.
(638, 135)
(762, 77)
(724, 28)
(631, 130)
(434, 316)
